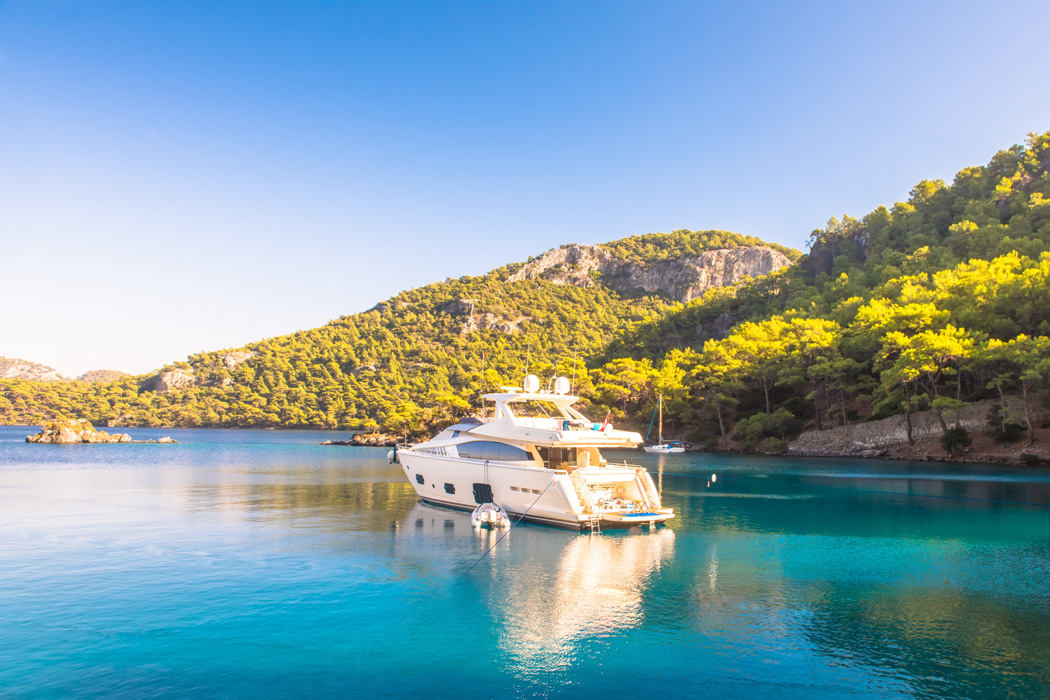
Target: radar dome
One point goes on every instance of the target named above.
(532, 384)
(561, 385)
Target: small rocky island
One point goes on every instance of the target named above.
(369, 440)
(79, 431)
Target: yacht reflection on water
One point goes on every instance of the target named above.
(595, 588)
(547, 589)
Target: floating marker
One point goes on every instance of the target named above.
(714, 477)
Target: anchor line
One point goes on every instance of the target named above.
(846, 488)
(496, 543)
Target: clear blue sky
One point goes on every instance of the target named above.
(183, 176)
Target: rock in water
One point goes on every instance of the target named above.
(65, 436)
(62, 432)
(373, 440)
(75, 432)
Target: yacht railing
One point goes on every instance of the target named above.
(562, 424)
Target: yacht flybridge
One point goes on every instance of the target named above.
(536, 456)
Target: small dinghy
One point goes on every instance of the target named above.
(489, 515)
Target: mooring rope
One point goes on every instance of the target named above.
(496, 543)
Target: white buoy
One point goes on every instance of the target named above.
(714, 478)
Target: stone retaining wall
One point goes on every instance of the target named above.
(869, 438)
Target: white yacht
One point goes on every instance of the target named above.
(535, 456)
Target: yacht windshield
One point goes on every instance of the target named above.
(536, 409)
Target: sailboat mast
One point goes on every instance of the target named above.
(660, 403)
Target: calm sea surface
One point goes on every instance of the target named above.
(247, 564)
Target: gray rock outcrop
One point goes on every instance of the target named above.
(475, 320)
(572, 264)
(174, 379)
(683, 279)
(232, 359)
(488, 321)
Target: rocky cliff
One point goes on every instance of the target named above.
(682, 279)
(178, 378)
(473, 320)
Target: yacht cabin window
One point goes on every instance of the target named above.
(493, 451)
(557, 457)
(534, 408)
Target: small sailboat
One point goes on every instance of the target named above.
(661, 447)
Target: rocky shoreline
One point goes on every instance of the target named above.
(369, 440)
(80, 432)
(881, 439)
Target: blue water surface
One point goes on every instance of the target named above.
(259, 564)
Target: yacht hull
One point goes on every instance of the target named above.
(537, 495)
(656, 449)
(604, 523)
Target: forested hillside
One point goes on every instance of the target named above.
(939, 300)
(933, 302)
(408, 364)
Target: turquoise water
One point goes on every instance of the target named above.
(247, 564)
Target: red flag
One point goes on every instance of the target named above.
(607, 417)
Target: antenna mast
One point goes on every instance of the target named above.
(574, 373)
